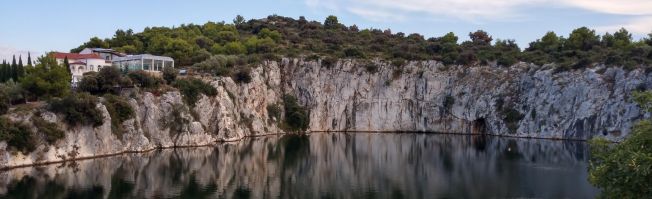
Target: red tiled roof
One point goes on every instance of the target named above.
(76, 56)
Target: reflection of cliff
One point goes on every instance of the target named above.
(324, 165)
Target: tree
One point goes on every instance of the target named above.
(582, 39)
(480, 37)
(238, 20)
(3, 71)
(14, 65)
(331, 22)
(94, 42)
(29, 59)
(297, 117)
(66, 64)
(20, 70)
(47, 79)
(170, 74)
(619, 40)
(624, 170)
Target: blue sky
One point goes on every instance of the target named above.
(41, 26)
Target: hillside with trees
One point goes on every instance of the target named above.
(277, 36)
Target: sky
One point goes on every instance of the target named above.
(38, 26)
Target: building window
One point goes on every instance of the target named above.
(158, 65)
(147, 64)
(92, 68)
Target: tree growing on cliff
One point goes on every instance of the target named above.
(624, 170)
(47, 79)
(297, 117)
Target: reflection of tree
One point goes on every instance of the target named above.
(296, 150)
(120, 188)
(195, 190)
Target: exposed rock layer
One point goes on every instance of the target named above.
(524, 101)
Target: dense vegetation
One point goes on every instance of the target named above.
(120, 110)
(624, 170)
(13, 70)
(297, 117)
(17, 135)
(191, 88)
(78, 109)
(276, 36)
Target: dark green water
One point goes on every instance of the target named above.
(324, 165)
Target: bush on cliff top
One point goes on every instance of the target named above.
(17, 135)
(191, 88)
(78, 109)
(278, 35)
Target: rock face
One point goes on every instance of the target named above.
(523, 100)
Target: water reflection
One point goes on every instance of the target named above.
(323, 166)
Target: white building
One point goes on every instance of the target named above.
(82, 63)
(146, 62)
(106, 54)
(94, 59)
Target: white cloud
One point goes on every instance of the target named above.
(463, 9)
(638, 12)
(621, 7)
(376, 15)
(640, 25)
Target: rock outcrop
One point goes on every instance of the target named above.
(523, 101)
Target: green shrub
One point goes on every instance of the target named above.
(623, 170)
(108, 80)
(371, 67)
(353, 53)
(78, 109)
(297, 117)
(4, 102)
(274, 112)
(191, 88)
(449, 100)
(120, 110)
(170, 74)
(511, 117)
(243, 75)
(17, 135)
(145, 79)
(328, 61)
(50, 130)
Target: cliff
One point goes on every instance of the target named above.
(523, 100)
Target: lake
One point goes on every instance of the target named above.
(324, 165)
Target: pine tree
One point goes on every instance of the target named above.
(12, 70)
(29, 59)
(20, 69)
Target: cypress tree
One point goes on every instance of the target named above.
(3, 70)
(67, 65)
(29, 59)
(12, 70)
(20, 69)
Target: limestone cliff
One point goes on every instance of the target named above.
(523, 100)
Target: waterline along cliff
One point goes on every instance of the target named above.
(523, 100)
